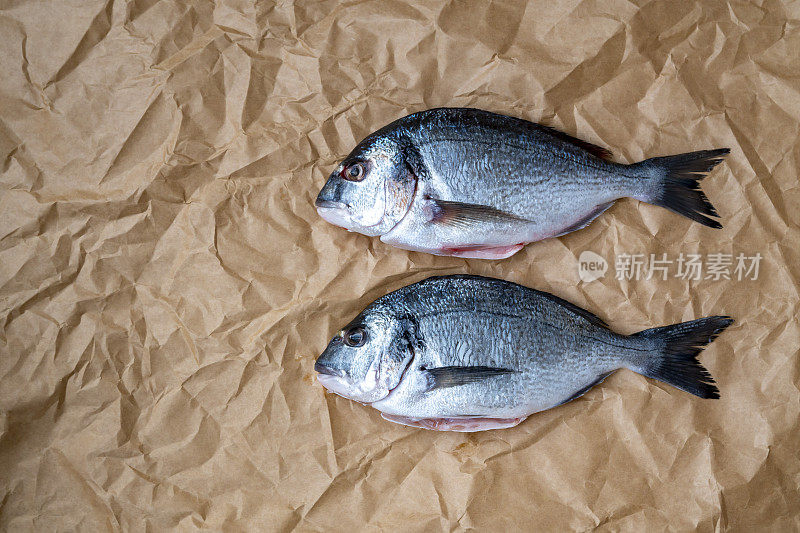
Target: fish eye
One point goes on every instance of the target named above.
(355, 172)
(355, 337)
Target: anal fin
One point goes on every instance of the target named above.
(588, 219)
(585, 389)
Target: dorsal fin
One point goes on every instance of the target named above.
(591, 317)
(597, 151)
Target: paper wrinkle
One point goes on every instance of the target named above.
(166, 282)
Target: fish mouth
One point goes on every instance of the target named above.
(336, 213)
(332, 379)
(329, 204)
(337, 385)
(332, 383)
(337, 382)
(327, 371)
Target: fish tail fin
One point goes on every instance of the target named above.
(674, 183)
(674, 351)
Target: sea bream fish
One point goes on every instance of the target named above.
(468, 353)
(470, 183)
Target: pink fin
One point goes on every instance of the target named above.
(464, 425)
(483, 252)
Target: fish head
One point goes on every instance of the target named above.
(370, 191)
(366, 359)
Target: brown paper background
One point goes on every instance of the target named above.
(165, 282)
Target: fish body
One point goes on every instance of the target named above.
(470, 183)
(468, 353)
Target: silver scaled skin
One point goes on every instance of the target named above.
(471, 183)
(468, 353)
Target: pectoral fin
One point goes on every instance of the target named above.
(462, 215)
(453, 376)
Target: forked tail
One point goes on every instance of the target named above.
(674, 183)
(673, 354)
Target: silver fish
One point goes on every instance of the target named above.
(471, 183)
(468, 353)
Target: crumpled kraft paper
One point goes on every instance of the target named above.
(165, 282)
